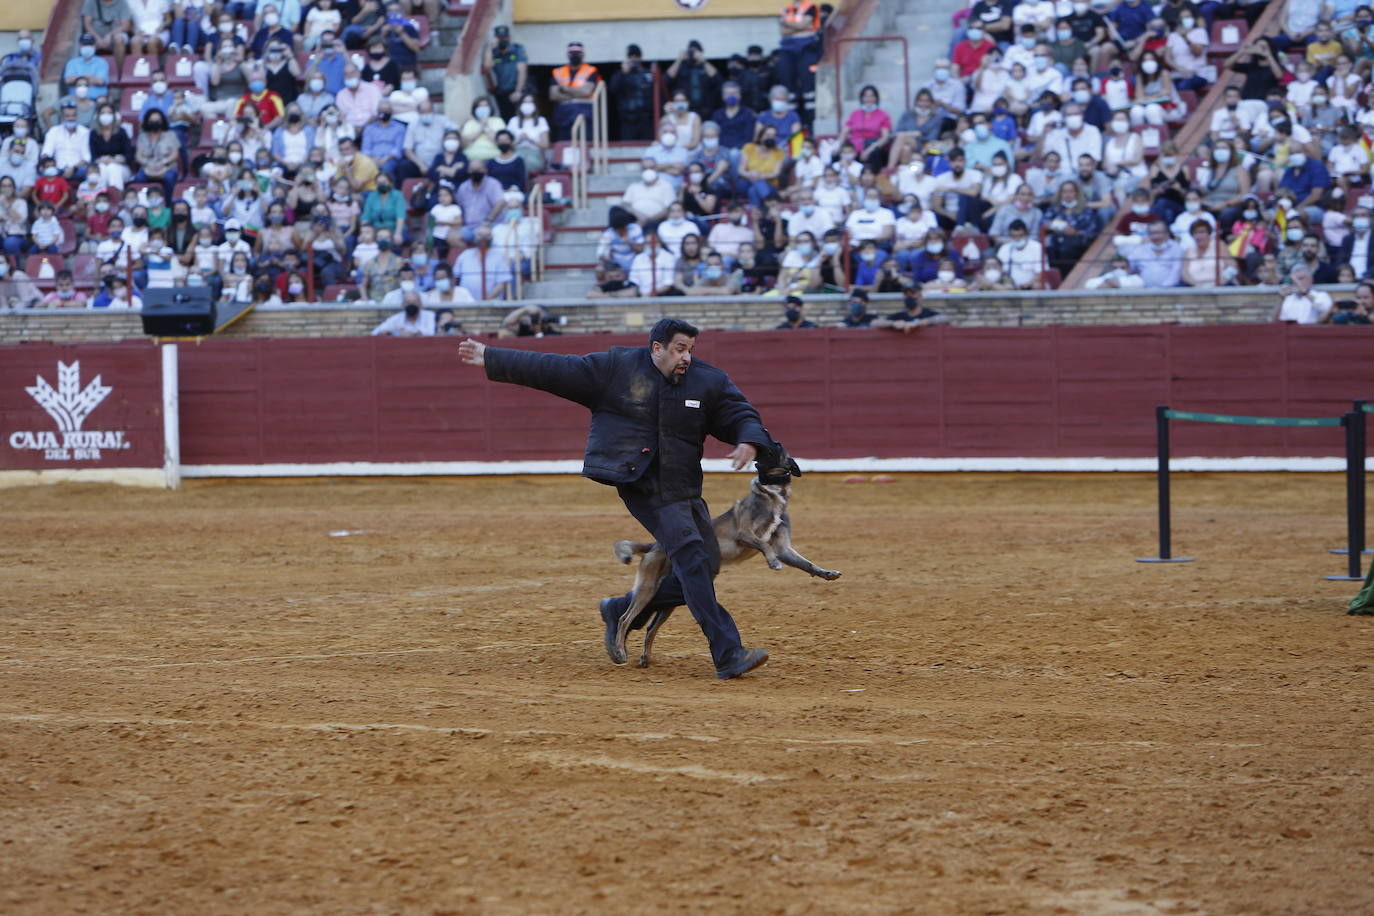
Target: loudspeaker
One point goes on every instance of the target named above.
(181, 311)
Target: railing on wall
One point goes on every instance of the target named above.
(577, 145)
(601, 133)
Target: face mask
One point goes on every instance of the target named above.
(1251, 214)
(351, 82)
(88, 51)
(992, 275)
(714, 273)
(1186, 21)
(295, 289)
(1318, 100)
(140, 222)
(154, 203)
(26, 45)
(1297, 160)
(1027, 42)
(443, 284)
(1073, 121)
(770, 142)
(945, 276)
(159, 87)
(679, 107)
(102, 207)
(451, 145)
(1222, 155)
(232, 235)
(1082, 96)
(408, 286)
(477, 177)
(195, 280)
(1193, 206)
(50, 172)
(779, 106)
(1294, 235)
(731, 101)
(668, 141)
(1149, 66)
(419, 260)
(975, 34)
(935, 247)
(941, 74)
(257, 86)
(1064, 34)
(71, 125)
(236, 158)
(271, 19)
(695, 177)
(710, 143)
(574, 59)
(792, 315)
(342, 198)
(482, 113)
(1140, 209)
(981, 131)
(226, 27)
(83, 92)
(1168, 161)
(331, 118)
(383, 187)
(649, 175)
(1361, 223)
(411, 310)
(967, 136)
(872, 204)
(1042, 63)
(21, 130)
(1080, 8)
(317, 85)
(805, 249)
(999, 171)
(868, 257)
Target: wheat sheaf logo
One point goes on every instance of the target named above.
(69, 405)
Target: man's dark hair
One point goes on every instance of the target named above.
(1017, 224)
(665, 329)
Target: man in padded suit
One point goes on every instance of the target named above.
(652, 409)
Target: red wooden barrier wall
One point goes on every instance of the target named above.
(114, 424)
(943, 392)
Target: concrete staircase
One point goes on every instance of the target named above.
(926, 26)
(570, 259)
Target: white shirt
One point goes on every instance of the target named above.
(835, 200)
(1359, 254)
(69, 148)
(913, 230)
(1047, 80)
(816, 224)
(922, 185)
(672, 235)
(1189, 63)
(864, 225)
(1305, 309)
(1182, 226)
(1022, 264)
(1088, 142)
(225, 252)
(649, 201)
(1350, 160)
(807, 172)
(948, 185)
(1300, 92)
(649, 273)
(398, 326)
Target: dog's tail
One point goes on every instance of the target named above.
(625, 551)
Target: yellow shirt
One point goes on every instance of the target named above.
(1322, 53)
(363, 171)
(758, 158)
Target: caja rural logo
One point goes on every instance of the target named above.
(69, 405)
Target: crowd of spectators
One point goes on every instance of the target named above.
(267, 150)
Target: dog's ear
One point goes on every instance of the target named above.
(792, 467)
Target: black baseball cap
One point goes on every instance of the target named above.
(87, 39)
(633, 51)
(795, 300)
(503, 31)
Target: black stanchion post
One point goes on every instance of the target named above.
(1354, 470)
(1162, 476)
(1361, 447)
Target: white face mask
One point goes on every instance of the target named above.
(482, 113)
(1140, 209)
(451, 145)
(992, 274)
(159, 87)
(409, 86)
(527, 108)
(1223, 154)
(1121, 126)
(946, 276)
(106, 118)
(226, 27)
(317, 86)
(1149, 66)
(271, 19)
(668, 141)
(649, 175)
(1193, 206)
(21, 130)
(1082, 96)
(351, 82)
(408, 286)
(999, 170)
(1073, 121)
(236, 158)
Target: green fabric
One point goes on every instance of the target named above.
(1363, 602)
(1251, 421)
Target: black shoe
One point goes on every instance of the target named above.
(742, 661)
(612, 624)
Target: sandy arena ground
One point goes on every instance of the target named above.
(210, 705)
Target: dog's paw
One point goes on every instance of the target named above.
(830, 575)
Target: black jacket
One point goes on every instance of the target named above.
(1342, 256)
(638, 415)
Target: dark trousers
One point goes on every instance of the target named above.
(684, 529)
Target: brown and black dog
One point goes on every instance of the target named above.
(758, 522)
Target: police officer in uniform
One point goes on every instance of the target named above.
(632, 89)
(652, 409)
(573, 85)
(507, 70)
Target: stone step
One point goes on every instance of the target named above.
(562, 285)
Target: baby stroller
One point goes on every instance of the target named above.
(18, 86)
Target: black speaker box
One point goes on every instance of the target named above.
(181, 311)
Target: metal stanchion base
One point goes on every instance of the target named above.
(1164, 559)
(1345, 578)
(1343, 552)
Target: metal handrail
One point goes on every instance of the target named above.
(577, 141)
(601, 134)
(536, 213)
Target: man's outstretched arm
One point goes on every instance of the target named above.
(580, 379)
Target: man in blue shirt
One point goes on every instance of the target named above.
(736, 122)
(329, 62)
(27, 55)
(87, 64)
(779, 115)
(1131, 18)
(1309, 181)
(1159, 259)
(384, 141)
(160, 95)
(402, 36)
